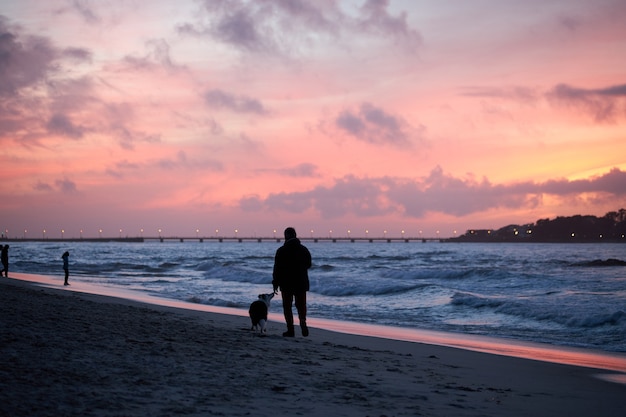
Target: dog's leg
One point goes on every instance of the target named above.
(262, 328)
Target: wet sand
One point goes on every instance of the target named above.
(70, 353)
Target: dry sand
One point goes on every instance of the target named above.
(64, 353)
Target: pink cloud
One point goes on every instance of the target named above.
(285, 27)
(603, 104)
(436, 193)
(241, 104)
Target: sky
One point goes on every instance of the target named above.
(361, 118)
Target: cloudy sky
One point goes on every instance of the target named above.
(377, 115)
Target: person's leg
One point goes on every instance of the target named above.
(67, 274)
(301, 307)
(288, 313)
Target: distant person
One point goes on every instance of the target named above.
(290, 274)
(4, 256)
(66, 266)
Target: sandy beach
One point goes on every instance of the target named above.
(67, 353)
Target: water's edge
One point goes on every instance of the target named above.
(491, 345)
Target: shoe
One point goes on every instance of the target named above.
(305, 329)
(289, 333)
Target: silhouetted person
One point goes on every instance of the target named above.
(4, 256)
(291, 265)
(66, 266)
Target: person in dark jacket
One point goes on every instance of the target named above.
(66, 266)
(291, 265)
(5, 260)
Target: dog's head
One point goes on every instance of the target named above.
(266, 297)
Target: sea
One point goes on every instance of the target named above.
(569, 294)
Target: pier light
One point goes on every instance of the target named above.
(141, 232)
(236, 232)
(159, 233)
(216, 232)
(197, 231)
(274, 233)
(348, 232)
(81, 233)
(367, 232)
(62, 233)
(311, 233)
(120, 233)
(25, 231)
(385, 233)
(330, 233)
(100, 232)
(402, 232)
(44, 233)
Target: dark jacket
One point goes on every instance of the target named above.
(291, 265)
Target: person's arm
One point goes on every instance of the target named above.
(276, 272)
(309, 260)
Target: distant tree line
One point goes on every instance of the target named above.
(579, 228)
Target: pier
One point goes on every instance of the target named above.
(302, 238)
(221, 239)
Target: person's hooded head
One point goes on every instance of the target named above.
(290, 233)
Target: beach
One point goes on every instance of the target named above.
(71, 353)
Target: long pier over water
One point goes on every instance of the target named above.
(229, 239)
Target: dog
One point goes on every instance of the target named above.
(258, 312)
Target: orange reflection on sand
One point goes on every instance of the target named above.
(506, 347)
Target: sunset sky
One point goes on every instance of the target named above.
(377, 115)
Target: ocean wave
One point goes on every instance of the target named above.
(525, 311)
(372, 289)
(269, 258)
(214, 302)
(447, 274)
(617, 318)
(474, 301)
(168, 265)
(234, 272)
(377, 256)
(600, 262)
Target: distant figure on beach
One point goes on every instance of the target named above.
(66, 266)
(290, 274)
(4, 255)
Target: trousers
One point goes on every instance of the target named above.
(300, 300)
